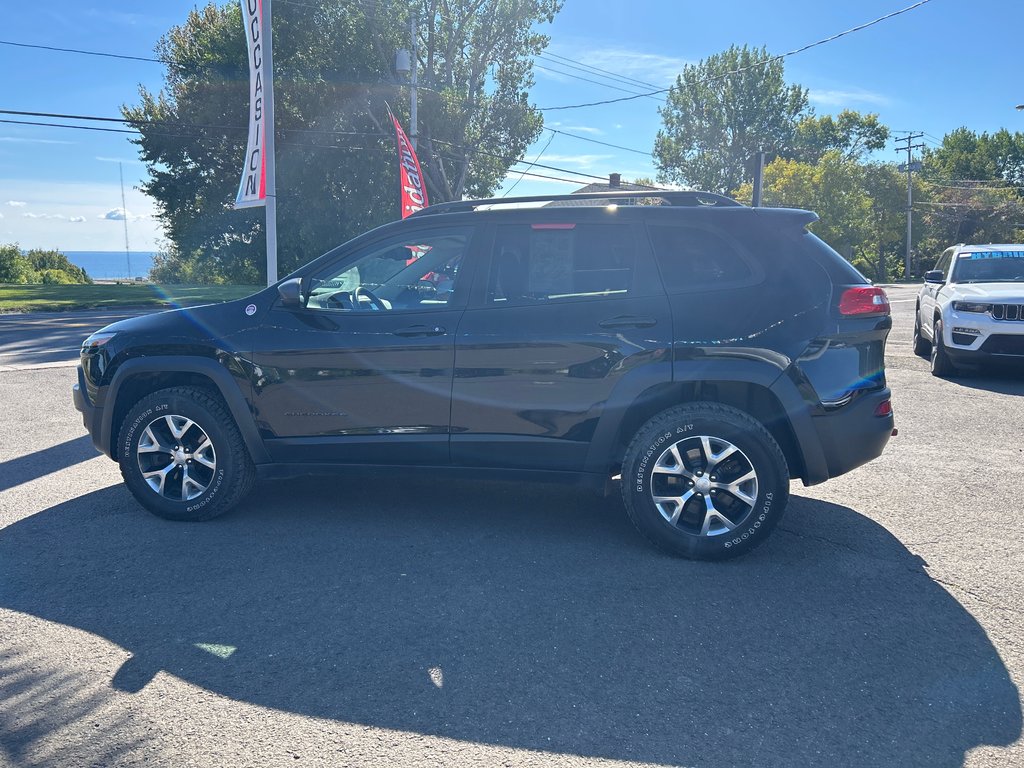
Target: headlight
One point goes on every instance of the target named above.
(96, 341)
(971, 306)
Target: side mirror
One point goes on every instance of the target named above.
(291, 292)
(934, 276)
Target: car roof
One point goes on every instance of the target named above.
(990, 247)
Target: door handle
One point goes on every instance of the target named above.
(421, 330)
(628, 321)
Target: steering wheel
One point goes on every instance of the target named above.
(375, 303)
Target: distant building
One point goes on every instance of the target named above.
(615, 184)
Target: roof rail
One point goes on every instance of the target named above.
(680, 198)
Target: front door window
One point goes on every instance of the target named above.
(415, 272)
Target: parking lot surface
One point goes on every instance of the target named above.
(395, 622)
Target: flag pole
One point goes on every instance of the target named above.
(271, 208)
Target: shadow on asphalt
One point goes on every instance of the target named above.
(1003, 379)
(33, 465)
(532, 617)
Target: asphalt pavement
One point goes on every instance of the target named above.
(51, 339)
(413, 623)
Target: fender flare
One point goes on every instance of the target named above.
(227, 385)
(771, 371)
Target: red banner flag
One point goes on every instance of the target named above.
(414, 190)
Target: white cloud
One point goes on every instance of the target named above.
(77, 219)
(1, 215)
(584, 161)
(31, 215)
(133, 160)
(844, 98)
(580, 129)
(20, 140)
(88, 201)
(17, 203)
(120, 214)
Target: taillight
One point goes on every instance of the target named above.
(864, 300)
(884, 408)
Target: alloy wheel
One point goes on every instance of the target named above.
(176, 458)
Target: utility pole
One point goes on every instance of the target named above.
(413, 130)
(909, 167)
(405, 64)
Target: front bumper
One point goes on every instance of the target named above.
(975, 337)
(90, 413)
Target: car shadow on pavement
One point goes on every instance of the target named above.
(1001, 379)
(34, 465)
(532, 617)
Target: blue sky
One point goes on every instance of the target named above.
(944, 65)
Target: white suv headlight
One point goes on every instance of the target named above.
(971, 306)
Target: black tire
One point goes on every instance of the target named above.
(922, 347)
(701, 529)
(941, 364)
(201, 472)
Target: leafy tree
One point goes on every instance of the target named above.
(861, 206)
(55, 261)
(974, 188)
(336, 167)
(720, 113)
(850, 133)
(14, 267)
(38, 266)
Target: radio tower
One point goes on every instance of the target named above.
(124, 210)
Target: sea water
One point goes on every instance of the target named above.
(113, 265)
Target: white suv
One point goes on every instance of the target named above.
(971, 307)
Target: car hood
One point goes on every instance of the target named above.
(209, 321)
(1007, 293)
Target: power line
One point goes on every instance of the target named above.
(595, 141)
(761, 63)
(83, 52)
(590, 67)
(523, 173)
(595, 82)
(182, 134)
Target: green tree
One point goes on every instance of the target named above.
(850, 133)
(720, 113)
(38, 266)
(336, 167)
(861, 206)
(53, 262)
(14, 267)
(974, 186)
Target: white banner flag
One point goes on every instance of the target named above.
(252, 191)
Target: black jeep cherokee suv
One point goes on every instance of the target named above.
(701, 351)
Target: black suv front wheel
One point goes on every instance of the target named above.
(705, 481)
(181, 455)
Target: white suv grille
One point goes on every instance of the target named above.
(1008, 311)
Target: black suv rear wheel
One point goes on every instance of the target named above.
(705, 481)
(182, 457)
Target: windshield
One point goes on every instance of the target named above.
(990, 267)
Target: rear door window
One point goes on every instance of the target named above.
(697, 258)
(561, 262)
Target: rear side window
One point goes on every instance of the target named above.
(553, 262)
(696, 258)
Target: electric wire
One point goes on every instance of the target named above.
(522, 174)
(739, 70)
(589, 67)
(185, 134)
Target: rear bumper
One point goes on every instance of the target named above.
(851, 436)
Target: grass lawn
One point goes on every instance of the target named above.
(51, 298)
